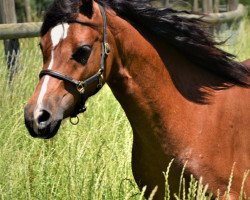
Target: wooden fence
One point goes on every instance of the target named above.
(8, 15)
(214, 6)
(213, 10)
(10, 31)
(201, 6)
(20, 30)
(28, 30)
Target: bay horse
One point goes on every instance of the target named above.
(185, 98)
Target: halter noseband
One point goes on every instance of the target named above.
(96, 78)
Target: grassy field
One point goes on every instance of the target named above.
(88, 161)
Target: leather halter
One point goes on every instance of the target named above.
(97, 78)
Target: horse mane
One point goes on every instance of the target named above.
(60, 11)
(188, 36)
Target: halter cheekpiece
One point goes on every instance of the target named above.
(96, 78)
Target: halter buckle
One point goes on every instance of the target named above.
(100, 80)
(81, 88)
(106, 48)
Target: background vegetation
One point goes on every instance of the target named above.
(88, 161)
(39, 6)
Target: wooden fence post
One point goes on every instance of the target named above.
(166, 3)
(233, 4)
(207, 6)
(11, 47)
(195, 5)
(27, 10)
(216, 6)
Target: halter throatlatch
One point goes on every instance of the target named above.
(81, 86)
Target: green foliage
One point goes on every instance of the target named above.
(88, 161)
(247, 4)
(38, 7)
(167, 184)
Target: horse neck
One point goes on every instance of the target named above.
(151, 80)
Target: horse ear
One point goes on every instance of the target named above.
(87, 8)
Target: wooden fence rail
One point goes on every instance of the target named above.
(202, 6)
(219, 18)
(21, 30)
(28, 30)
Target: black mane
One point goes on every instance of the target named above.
(186, 35)
(60, 11)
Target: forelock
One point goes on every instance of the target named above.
(60, 11)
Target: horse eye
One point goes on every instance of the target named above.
(82, 54)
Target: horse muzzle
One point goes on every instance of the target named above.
(40, 122)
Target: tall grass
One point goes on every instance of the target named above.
(87, 161)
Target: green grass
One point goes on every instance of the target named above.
(87, 161)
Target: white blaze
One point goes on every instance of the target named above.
(58, 33)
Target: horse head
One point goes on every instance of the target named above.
(75, 65)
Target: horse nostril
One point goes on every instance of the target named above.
(43, 117)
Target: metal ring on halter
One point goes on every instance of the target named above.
(80, 88)
(106, 48)
(74, 123)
